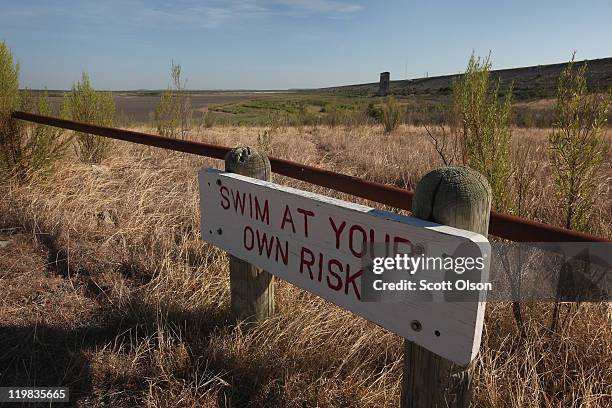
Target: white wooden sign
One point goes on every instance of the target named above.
(318, 243)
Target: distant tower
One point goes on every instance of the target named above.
(383, 86)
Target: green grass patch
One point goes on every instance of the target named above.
(289, 108)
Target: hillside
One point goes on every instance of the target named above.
(538, 81)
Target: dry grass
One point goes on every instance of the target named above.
(107, 288)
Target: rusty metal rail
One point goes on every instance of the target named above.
(501, 225)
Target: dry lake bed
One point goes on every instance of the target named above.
(138, 107)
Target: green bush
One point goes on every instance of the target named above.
(577, 145)
(11, 141)
(391, 115)
(9, 83)
(166, 115)
(304, 117)
(374, 112)
(484, 120)
(24, 148)
(47, 142)
(84, 104)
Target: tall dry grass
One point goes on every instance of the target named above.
(107, 288)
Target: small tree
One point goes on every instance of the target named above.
(10, 133)
(577, 145)
(484, 118)
(172, 116)
(84, 104)
(9, 83)
(24, 148)
(48, 144)
(165, 117)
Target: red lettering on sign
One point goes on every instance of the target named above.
(246, 236)
(303, 262)
(397, 241)
(266, 244)
(262, 214)
(350, 280)
(338, 284)
(364, 246)
(257, 209)
(238, 202)
(287, 218)
(337, 230)
(338, 275)
(279, 251)
(225, 203)
(387, 245)
(306, 213)
(250, 206)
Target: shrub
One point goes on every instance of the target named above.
(484, 119)
(10, 134)
(374, 112)
(304, 117)
(172, 116)
(84, 104)
(209, 119)
(24, 148)
(391, 115)
(577, 145)
(47, 143)
(9, 83)
(166, 116)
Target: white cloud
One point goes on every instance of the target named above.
(320, 6)
(182, 13)
(215, 13)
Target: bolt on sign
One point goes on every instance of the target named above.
(331, 248)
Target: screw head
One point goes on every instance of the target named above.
(416, 325)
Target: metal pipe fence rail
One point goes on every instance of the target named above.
(500, 225)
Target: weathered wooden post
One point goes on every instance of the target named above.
(252, 288)
(461, 198)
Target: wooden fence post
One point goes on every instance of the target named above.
(252, 288)
(461, 198)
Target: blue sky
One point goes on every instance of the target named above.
(280, 44)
